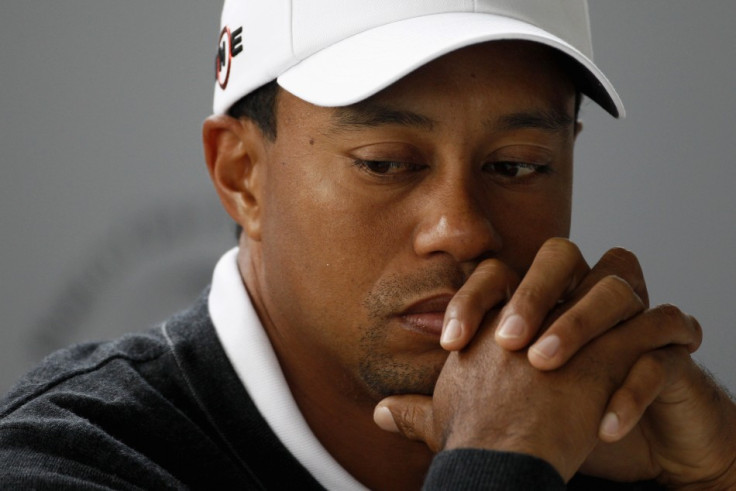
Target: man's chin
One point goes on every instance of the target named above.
(387, 377)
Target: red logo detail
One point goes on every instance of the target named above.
(224, 58)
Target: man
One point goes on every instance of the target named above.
(403, 191)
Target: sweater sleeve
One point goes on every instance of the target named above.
(468, 469)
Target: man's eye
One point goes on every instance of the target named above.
(515, 169)
(384, 167)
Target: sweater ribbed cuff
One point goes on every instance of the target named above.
(471, 469)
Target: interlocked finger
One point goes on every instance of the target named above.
(658, 327)
(491, 283)
(556, 271)
(619, 262)
(644, 383)
(608, 302)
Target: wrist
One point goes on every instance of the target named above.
(720, 472)
(727, 480)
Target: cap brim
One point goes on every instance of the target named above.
(362, 65)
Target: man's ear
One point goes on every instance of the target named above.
(234, 150)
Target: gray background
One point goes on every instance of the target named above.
(109, 222)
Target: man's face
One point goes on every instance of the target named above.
(373, 215)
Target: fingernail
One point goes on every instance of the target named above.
(451, 332)
(547, 347)
(512, 327)
(610, 424)
(384, 419)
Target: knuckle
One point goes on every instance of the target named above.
(499, 274)
(616, 286)
(490, 279)
(558, 242)
(463, 298)
(620, 292)
(530, 295)
(623, 258)
(626, 265)
(697, 330)
(560, 246)
(467, 308)
(648, 374)
(575, 324)
(676, 326)
(491, 266)
(670, 314)
(410, 422)
(627, 397)
(652, 366)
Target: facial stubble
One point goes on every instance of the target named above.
(385, 372)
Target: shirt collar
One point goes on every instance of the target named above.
(250, 352)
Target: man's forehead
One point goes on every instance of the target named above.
(371, 115)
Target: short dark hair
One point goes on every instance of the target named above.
(260, 107)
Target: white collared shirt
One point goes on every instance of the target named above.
(250, 352)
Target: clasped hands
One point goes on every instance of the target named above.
(578, 370)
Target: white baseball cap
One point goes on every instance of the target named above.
(338, 52)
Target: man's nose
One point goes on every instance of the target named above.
(455, 220)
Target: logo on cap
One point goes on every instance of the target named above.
(228, 46)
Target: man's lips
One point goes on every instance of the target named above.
(427, 315)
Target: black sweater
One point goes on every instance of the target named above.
(165, 410)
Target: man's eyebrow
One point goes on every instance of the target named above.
(370, 114)
(552, 120)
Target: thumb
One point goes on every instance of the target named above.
(409, 415)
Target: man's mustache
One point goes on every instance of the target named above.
(396, 292)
